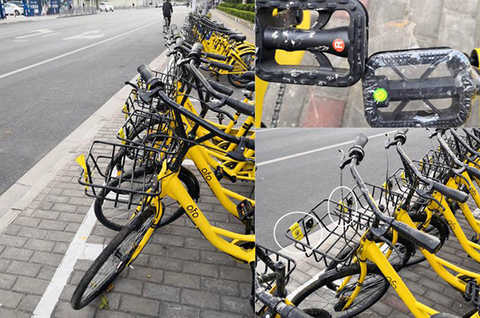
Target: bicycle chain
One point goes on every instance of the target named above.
(278, 105)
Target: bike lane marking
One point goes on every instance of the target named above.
(309, 152)
(76, 50)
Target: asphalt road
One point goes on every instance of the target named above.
(299, 183)
(55, 73)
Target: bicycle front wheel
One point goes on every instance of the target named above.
(112, 260)
(324, 293)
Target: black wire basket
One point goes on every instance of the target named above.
(170, 85)
(126, 174)
(434, 165)
(123, 174)
(332, 230)
(148, 128)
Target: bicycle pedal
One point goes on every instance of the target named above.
(245, 210)
(340, 304)
(418, 88)
(472, 293)
(276, 29)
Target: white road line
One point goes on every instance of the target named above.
(34, 33)
(305, 153)
(75, 250)
(76, 51)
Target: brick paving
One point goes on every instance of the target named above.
(179, 273)
(394, 24)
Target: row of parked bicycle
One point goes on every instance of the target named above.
(362, 236)
(138, 181)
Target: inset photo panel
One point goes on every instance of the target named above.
(367, 222)
(367, 63)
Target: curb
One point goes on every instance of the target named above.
(21, 194)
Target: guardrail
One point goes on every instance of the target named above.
(66, 12)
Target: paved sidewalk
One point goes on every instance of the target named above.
(394, 24)
(179, 274)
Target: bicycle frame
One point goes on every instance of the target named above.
(173, 187)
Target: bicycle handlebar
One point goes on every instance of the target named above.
(456, 195)
(220, 65)
(240, 106)
(249, 143)
(221, 88)
(215, 56)
(425, 240)
(145, 73)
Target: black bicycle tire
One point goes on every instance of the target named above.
(328, 277)
(76, 300)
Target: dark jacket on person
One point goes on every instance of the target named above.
(167, 9)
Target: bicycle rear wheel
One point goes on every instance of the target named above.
(322, 292)
(112, 260)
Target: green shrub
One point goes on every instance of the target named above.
(238, 1)
(238, 6)
(245, 15)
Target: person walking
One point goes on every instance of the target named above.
(167, 14)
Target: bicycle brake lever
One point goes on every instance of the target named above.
(132, 84)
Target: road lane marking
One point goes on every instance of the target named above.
(305, 153)
(75, 250)
(34, 33)
(91, 251)
(76, 50)
(89, 35)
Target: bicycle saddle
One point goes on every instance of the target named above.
(276, 23)
(418, 88)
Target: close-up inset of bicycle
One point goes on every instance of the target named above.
(375, 226)
(318, 51)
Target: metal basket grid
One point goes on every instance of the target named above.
(332, 229)
(123, 174)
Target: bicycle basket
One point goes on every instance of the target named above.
(332, 229)
(147, 128)
(123, 174)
